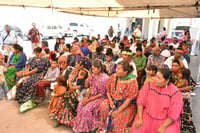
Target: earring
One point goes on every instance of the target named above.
(166, 86)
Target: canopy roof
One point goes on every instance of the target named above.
(118, 8)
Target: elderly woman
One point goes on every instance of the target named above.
(67, 105)
(87, 118)
(119, 108)
(16, 63)
(159, 106)
(156, 58)
(38, 67)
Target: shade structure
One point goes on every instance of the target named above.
(118, 8)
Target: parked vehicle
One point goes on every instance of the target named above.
(76, 29)
(178, 31)
(51, 31)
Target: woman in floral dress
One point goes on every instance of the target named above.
(88, 117)
(38, 68)
(118, 111)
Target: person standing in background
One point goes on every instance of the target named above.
(163, 34)
(111, 31)
(34, 36)
(7, 39)
(137, 32)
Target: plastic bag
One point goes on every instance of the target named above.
(27, 106)
(12, 93)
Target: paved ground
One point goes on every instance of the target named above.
(36, 120)
(33, 121)
(195, 100)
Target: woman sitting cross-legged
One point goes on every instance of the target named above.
(118, 111)
(88, 117)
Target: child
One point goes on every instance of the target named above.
(78, 84)
(151, 72)
(183, 78)
(3, 85)
(59, 90)
(51, 75)
(98, 54)
(109, 63)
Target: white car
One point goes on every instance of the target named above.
(51, 31)
(75, 29)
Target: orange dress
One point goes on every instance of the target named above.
(58, 91)
(125, 88)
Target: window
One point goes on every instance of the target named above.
(15, 28)
(81, 25)
(73, 24)
(60, 27)
(54, 27)
(49, 27)
(182, 27)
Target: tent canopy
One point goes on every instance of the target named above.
(118, 8)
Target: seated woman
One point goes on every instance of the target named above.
(67, 105)
(16, 63)
(38, 68)
(183, 82)
(159, 106)
(87, 118)
(62, 63)
(120, 107)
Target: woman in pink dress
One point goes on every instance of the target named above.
(159, 106)
(88, 117)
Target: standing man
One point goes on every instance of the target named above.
(137, 32)
(7, 39)
(34, 36)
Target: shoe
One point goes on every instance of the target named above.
(56, 124)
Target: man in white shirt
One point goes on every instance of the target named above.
(164, 51)
(174, 43)
(8, 38)
(137, 32)
(178, 55)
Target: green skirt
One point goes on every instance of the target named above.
(10, 77)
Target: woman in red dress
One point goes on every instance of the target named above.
(119, 109)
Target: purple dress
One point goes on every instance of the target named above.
(88, 117)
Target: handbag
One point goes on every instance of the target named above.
(28, 105)
(6, 37)
(12, 93)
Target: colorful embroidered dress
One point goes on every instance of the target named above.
(119, 90)
(88, 117)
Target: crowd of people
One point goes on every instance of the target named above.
(103, 85)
